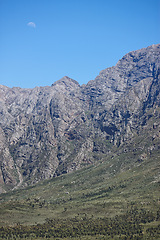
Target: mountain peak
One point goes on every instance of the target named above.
(49, 131)
(66, 81)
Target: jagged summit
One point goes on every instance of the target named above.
(66, 80)
(49, 131)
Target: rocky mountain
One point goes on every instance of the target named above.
(52, 130)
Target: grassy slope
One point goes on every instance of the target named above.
(85, 192)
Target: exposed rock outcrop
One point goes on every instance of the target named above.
(48, 131)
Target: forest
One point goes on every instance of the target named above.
(136, 223)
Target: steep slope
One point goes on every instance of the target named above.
(33, 124)
(113, 82)
(49, 131)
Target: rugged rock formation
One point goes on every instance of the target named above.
(48, 131)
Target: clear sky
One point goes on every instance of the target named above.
(43, 40)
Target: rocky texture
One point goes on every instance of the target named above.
(48, 131)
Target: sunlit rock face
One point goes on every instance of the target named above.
(52, 130)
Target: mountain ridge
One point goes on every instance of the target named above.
(52, 130)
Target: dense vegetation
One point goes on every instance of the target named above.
(127, 226)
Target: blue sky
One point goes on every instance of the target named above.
(43, 40)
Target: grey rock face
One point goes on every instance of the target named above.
(48, 131)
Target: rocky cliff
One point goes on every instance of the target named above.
(49, 131)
